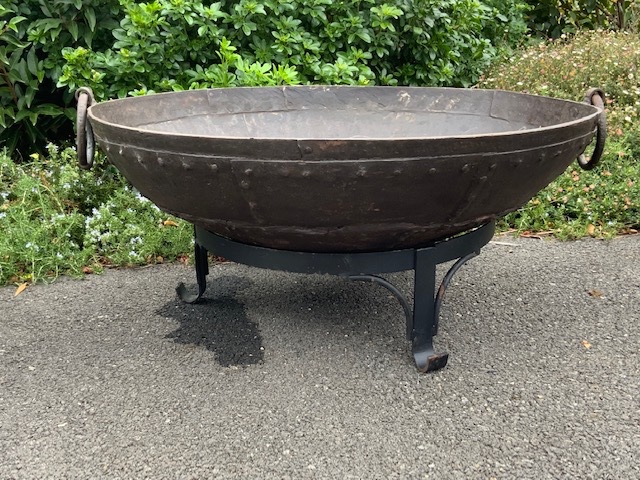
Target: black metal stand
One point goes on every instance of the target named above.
(422, 319)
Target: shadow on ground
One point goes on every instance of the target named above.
(219, 324)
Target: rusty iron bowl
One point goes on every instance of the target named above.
(337, 168)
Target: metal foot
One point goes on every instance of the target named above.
(427, 360)
(202, 270)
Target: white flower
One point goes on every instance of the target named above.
(32, 246)
(141, 198)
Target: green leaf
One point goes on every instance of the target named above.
(15, 21)
(364, 35)
(90, 15)
(21, 115)
(49, 109)
(11, 39)
(73, 30)
(48, 23)
(119, 34)
(21, 69)
(32, 62)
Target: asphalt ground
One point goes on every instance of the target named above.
(280, 375)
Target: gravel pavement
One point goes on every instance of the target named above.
(280, 375)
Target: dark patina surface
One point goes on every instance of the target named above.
(341, 169)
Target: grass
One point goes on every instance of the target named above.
(57, 219)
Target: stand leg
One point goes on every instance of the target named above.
(202, 270)
(424, 314)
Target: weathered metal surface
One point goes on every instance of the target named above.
(341, 169)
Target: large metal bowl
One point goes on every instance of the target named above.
(341, 169)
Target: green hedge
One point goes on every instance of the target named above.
(124, 47)
(176, 44)
(32, 35)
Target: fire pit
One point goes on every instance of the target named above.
(352, 181)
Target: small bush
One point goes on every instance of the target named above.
(127, 229)
(56, 218)
(177, 44)
(605, 201)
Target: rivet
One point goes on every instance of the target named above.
(362, 172)
(161, 161)
(397, 172)
(432, 171)
(186, 166)
(285, 172)
(244, 184)
(483, 179)
(493, 166)
(465, 168)
(248, 172)
(120, 150)
(306, 173)
(214, 168)
(308, 149)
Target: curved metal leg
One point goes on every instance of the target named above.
(445, 283)
(424, 355)
(396, 293)
(202, 270)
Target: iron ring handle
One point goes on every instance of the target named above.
(595, 97)
(85, 142)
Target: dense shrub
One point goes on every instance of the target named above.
(604, 201)
(177, 44)
(32, 36)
